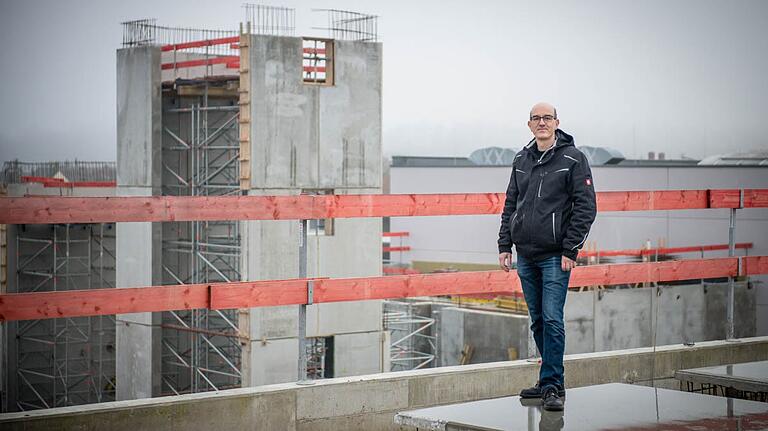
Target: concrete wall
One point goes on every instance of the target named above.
(625, 318)
(472, 239)
(371, 402)
(604, 320)
(315, 136)
(311, 137)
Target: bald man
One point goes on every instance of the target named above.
(548, 212)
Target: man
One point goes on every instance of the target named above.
(548, 212)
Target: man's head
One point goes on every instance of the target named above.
(543, 121)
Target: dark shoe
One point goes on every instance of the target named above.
(551, 401)
(535, 392)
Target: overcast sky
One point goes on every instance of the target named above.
(681, 76)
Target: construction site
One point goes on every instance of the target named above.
(251, 260)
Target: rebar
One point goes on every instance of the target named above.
(349, 25)
(270, 20)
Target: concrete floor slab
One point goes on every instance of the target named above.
(611, 406)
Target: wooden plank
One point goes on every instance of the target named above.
(200, 43)
(393, 249)
(466, 354)
(47, 209)
(755, 198)
(652, 200)
(724, 198)
(405, 286)
(754, 265)
(226, 59)
(42, 305)
(673, 270)
(41, 209)
(50, 209)
(667, 250)
(99, 302)
(394, 234)
(249, 294)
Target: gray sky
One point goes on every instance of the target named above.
(680, 76)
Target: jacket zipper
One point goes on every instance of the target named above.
(547, 150)
(554, 236)
(540, 183)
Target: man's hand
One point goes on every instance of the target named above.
(505, 261)
(566, 263)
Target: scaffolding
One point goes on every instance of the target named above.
(413, 346)
(68, 361)
(201, 348)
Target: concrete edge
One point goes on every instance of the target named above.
(426, 386)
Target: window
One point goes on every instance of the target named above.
(321, 227)
(317, 61)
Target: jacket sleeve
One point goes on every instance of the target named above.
(505, 237)
(582, 193)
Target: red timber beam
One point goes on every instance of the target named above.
(394, 234)
(393, 249)
(666, 250)
(76, 303)
(754, 265)
(225, 59)
(200, 43)
(48, 209)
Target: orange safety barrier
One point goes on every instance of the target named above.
(46, 210)
(49, 182)
(754, 265)
(393, 234)
(200, 43)
(75, 303)
(665, 250)
(225, 59)
(401, 248)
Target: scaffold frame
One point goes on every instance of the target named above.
(201, 348)
(71, 360)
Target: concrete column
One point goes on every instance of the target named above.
(139, 245)
(310, 137)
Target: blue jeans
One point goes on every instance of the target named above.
(545, 286)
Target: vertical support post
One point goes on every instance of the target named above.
(138, 246)
(302, 336)
(729, 334)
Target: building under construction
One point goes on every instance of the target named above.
(235, 248)
(254, 111)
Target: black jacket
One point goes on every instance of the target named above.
(550, 203)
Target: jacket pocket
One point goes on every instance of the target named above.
(558, 232)
(555, 225)
(547, 232)
(515, 227)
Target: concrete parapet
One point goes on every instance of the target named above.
(370, 402)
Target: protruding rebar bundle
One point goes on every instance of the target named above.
(349, 25)
(270, 20)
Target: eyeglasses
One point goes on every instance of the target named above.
(546, 118)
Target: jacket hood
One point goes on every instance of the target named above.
(563, 140)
